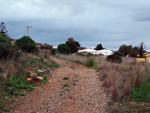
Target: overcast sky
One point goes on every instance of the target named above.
(109, 22)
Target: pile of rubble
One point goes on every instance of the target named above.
(34, 76)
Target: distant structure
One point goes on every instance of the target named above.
(86, 51)
(13, 41)
(103, 52)
(38, 45)
(54, 47)
(28, 29)
(67, 35)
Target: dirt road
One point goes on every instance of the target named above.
(73, 88)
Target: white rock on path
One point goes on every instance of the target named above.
(41, 71)
(40, 78)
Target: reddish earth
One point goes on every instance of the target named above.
(81, 92)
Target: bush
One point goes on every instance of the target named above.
(64, 49)
(45, 46)
(4, 39)
(99, 47)
(26, 44)
(8, 51)
(90, 62)
(53, 51)
(89, 54)
(85, 54)
(114, 58)
(73, 45)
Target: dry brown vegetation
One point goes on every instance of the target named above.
(11, 67)
(80, 59)
(14, 72)
(118, 78)
(74, 58)
(23, 64)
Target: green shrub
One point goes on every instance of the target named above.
(53, 51)
(45, 46)
(66, 85)
(26, 44)
(114, 58)
(84, 54)
(64, 49)
(66, 78)
(8, 51)
(17, 83)
(17, 55)
(90, 62)
(35, 60)
(52, 65)
(89, 54)
(4, 39)
(1, 105)
(73, 45)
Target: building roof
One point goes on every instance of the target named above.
(87, 50)
(104, 52)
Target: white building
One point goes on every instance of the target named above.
(54, 47)
(92, 51)
(104, 52)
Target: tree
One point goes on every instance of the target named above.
(8, 51)
(45, 46)
(99, 47)
(26, 44)
(141, 52)
(3, 30)
(53, 51)
(125, 50)
(73, 45)
(114, 58)
(63, 48)
(134, 51)
(4, 39)
(70, 39)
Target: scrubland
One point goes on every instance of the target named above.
(128, 82)
(14, 74)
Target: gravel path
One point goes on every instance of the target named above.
(81, 92)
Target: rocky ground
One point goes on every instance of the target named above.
(73, 88)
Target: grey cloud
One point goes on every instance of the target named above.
(111, 23)
(143, 16)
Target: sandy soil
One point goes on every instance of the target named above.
(82, 92)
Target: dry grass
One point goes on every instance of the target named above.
(10, 67)
(74, 58)
(43, 54)
(119, 78)
(90, 62)
(21, 65)
(81, 59)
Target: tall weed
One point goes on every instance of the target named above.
(90, 62)
(120, 78)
